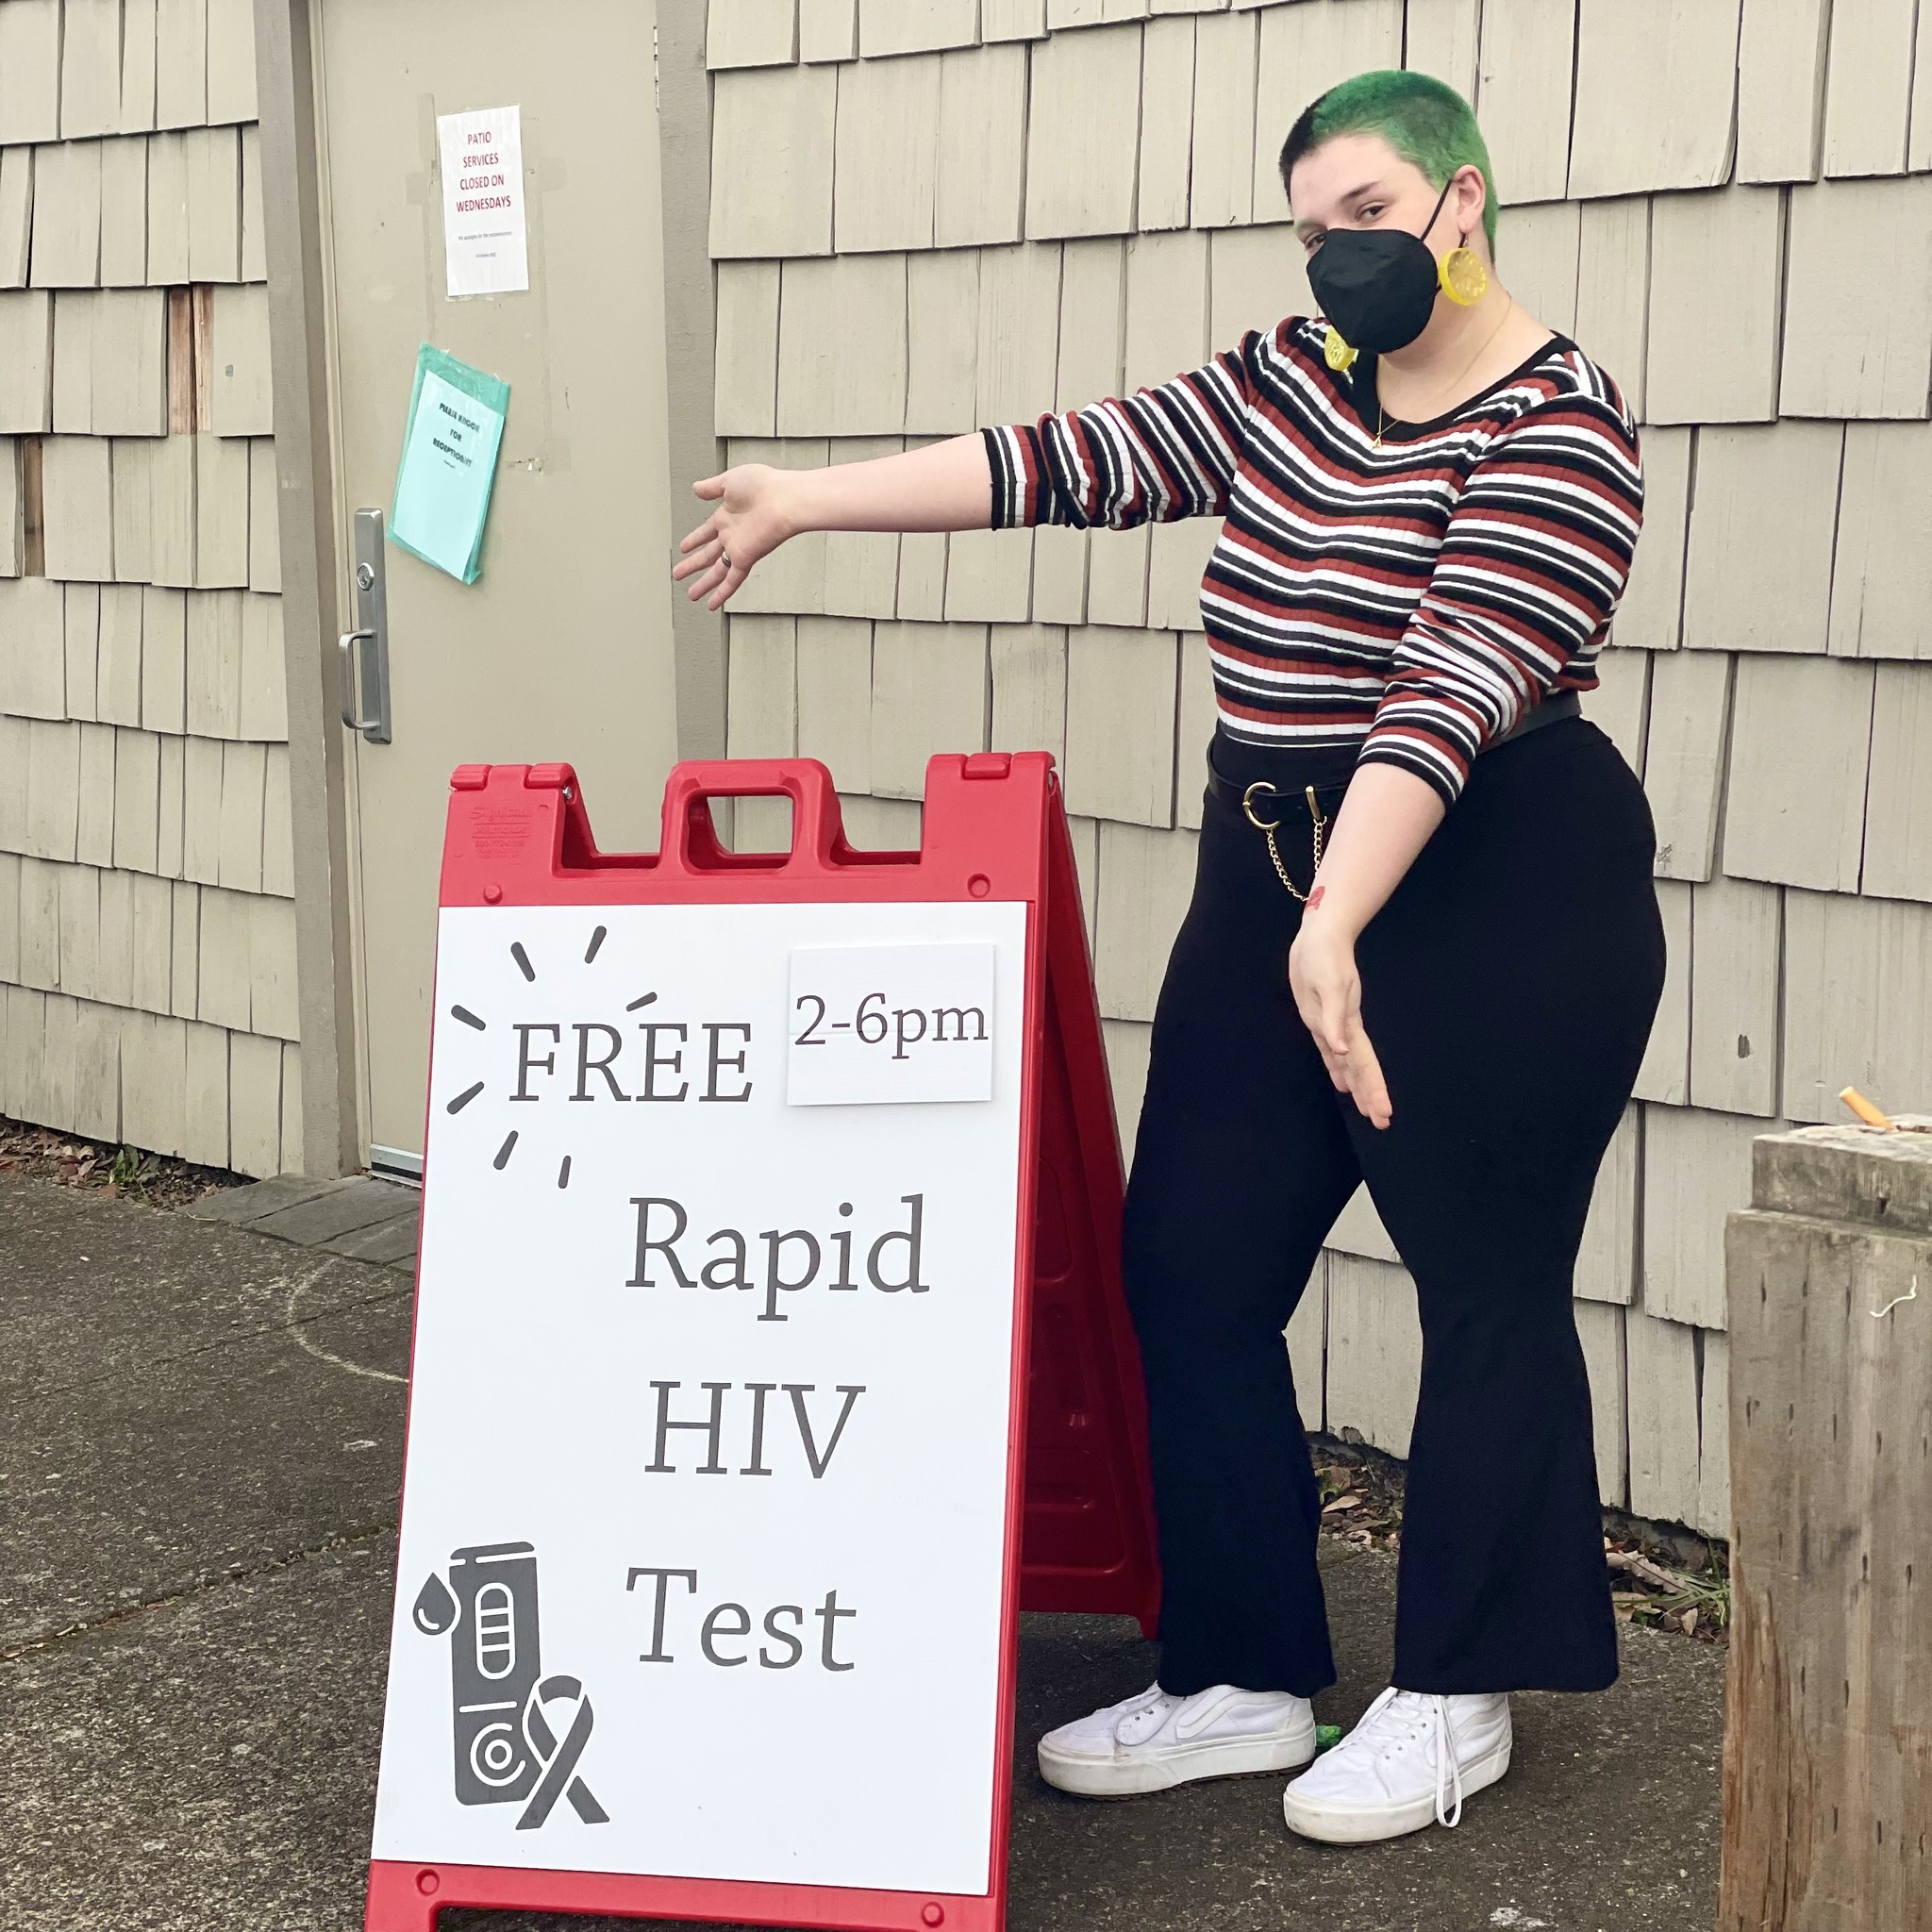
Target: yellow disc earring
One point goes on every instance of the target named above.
(1338, 354)
(1464, 279)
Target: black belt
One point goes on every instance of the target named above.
(1288, 795)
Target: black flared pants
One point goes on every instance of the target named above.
(1508, 988)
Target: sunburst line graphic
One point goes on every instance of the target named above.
(462, 1014)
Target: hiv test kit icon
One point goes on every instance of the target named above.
(505, 1749)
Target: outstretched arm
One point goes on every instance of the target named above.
(946, 486)
(1159, 455)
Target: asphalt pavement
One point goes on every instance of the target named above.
(199, 1466)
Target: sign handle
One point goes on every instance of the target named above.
(690, 847)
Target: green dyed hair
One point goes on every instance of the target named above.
(1425, 120)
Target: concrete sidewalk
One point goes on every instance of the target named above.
(199, 1463)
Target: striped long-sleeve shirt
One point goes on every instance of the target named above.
(1412, 599)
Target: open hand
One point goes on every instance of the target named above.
(748, 522)
(1328, 995)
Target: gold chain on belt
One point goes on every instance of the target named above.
(1268, 828)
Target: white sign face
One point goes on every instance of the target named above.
(485, 237)
(703, 1539)
(872, 1023)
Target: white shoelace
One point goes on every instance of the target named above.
(1395, 1715)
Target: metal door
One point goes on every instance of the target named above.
(561, 649)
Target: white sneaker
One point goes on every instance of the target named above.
(1154, 1741)
(1409, 1762)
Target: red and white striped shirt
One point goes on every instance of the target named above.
(1414, 599)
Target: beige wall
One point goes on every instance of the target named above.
(147, 930)
(932, 213)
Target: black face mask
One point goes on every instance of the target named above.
(1377, 285)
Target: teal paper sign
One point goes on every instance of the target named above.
(449, 463)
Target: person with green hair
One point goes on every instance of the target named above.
(1423, 953)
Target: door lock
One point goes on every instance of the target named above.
(362, 653)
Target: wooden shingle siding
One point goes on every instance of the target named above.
(1857, 1003)
(214, 203)
(1607, 1262)
(67, 215)
(26, 362)
(1775, 486)
(1665, 1074)
(1118, 565)
(167, 208)
(1869, 86)
(1167, 306)
(1898, 802)
(16, 214)
(1781, 54)
(1374, 1355)
(1737, 942)
(1656, 92)
(1222, 157)
(886, 165)
(1013, 20)
(772, 161)
(1684, 758)
(1859, 307)
(827, 29)
(180, 64)
(1085, 87)
(1121, 704)
(1305, 50)
(942, 311)
(230, 26)
(1029, 689)
(1538, 246)
(1801, 739)
(1716, 279)
(751, 33)
(910, 27)
(1146, 880)
(241, 389)
(78, 499)
(989, 576)
(1196, 730)
(1881, 587)
(123, 213)
(1443, 38)
(833, 697)
(1523, 95)
(1016, 347)
(29, 71)
(1665, 1416)
(12, 510)
(1651, 613)
(1600, 1329)
(931, 692)
(1697, 1171)
(982, 146)
(108, 793)
(89, 68)
(842, 347)
(140, 54)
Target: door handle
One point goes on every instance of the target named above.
(362, 653)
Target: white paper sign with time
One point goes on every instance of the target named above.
(704, 1525)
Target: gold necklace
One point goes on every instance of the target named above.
(1382, 416)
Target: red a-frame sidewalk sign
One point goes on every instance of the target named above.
(1062, 1487)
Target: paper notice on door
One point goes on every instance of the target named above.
(486, 243)
(448, 467)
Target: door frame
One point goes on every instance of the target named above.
(314, 562)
